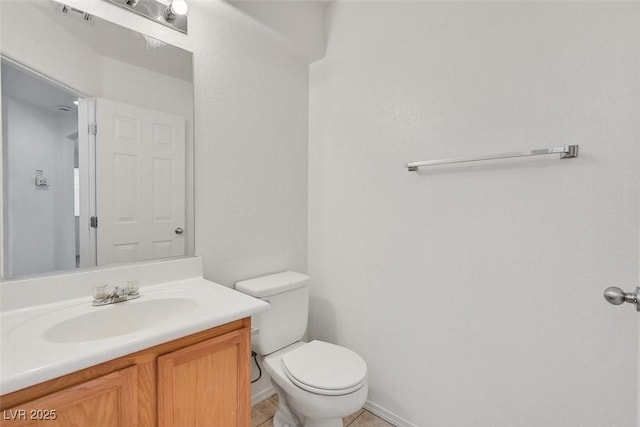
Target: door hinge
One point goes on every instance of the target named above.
(93, 128)
(93, 222)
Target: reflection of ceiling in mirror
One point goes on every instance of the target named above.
(27, 87)
(109, 40)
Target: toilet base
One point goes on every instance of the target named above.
(286, 417)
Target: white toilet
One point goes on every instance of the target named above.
(317, 383)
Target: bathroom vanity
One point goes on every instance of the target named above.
(177, 356)
(204, 376)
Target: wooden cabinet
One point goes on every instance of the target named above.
(204, 384)
(107, 401)
(201, 380)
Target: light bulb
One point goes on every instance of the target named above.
(176, 8)
(179, 7)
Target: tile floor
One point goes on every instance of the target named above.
(262, 416)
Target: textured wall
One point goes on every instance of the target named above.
(474, 292)
(251, 148)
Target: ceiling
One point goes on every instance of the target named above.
(23, 85)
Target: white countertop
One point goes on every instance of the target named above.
(28, 358)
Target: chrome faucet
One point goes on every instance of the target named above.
(118, 294)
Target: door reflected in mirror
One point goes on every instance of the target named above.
(97, 142)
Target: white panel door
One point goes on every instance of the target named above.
(140, 183)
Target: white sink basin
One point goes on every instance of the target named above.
(118, 319)
(47, 341)
(78, 323)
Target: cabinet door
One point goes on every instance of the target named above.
(206, 384)
(108, 401)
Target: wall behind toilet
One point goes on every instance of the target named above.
(251, 159)
(252, 143)
(474, 292)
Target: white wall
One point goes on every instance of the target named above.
(65, 220)
(40, 221)
(59, 54)
(251, 148)
(128, 83)
(299, 24)
(474, 292)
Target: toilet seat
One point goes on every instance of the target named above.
(326, 369)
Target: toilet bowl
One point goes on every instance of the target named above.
(318, 383)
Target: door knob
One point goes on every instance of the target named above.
(179, 230)
(617, 296)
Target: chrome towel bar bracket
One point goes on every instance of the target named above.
(566, 152)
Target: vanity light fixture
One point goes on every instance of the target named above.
(173, 16)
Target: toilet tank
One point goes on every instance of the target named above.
(286, 320)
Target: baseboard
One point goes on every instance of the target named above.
(386, 415)
(263, 395)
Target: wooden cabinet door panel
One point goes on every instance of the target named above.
(206, 384)
(108, 401)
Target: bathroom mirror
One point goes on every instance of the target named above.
(97, 142)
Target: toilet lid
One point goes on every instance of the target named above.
(324, 368)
